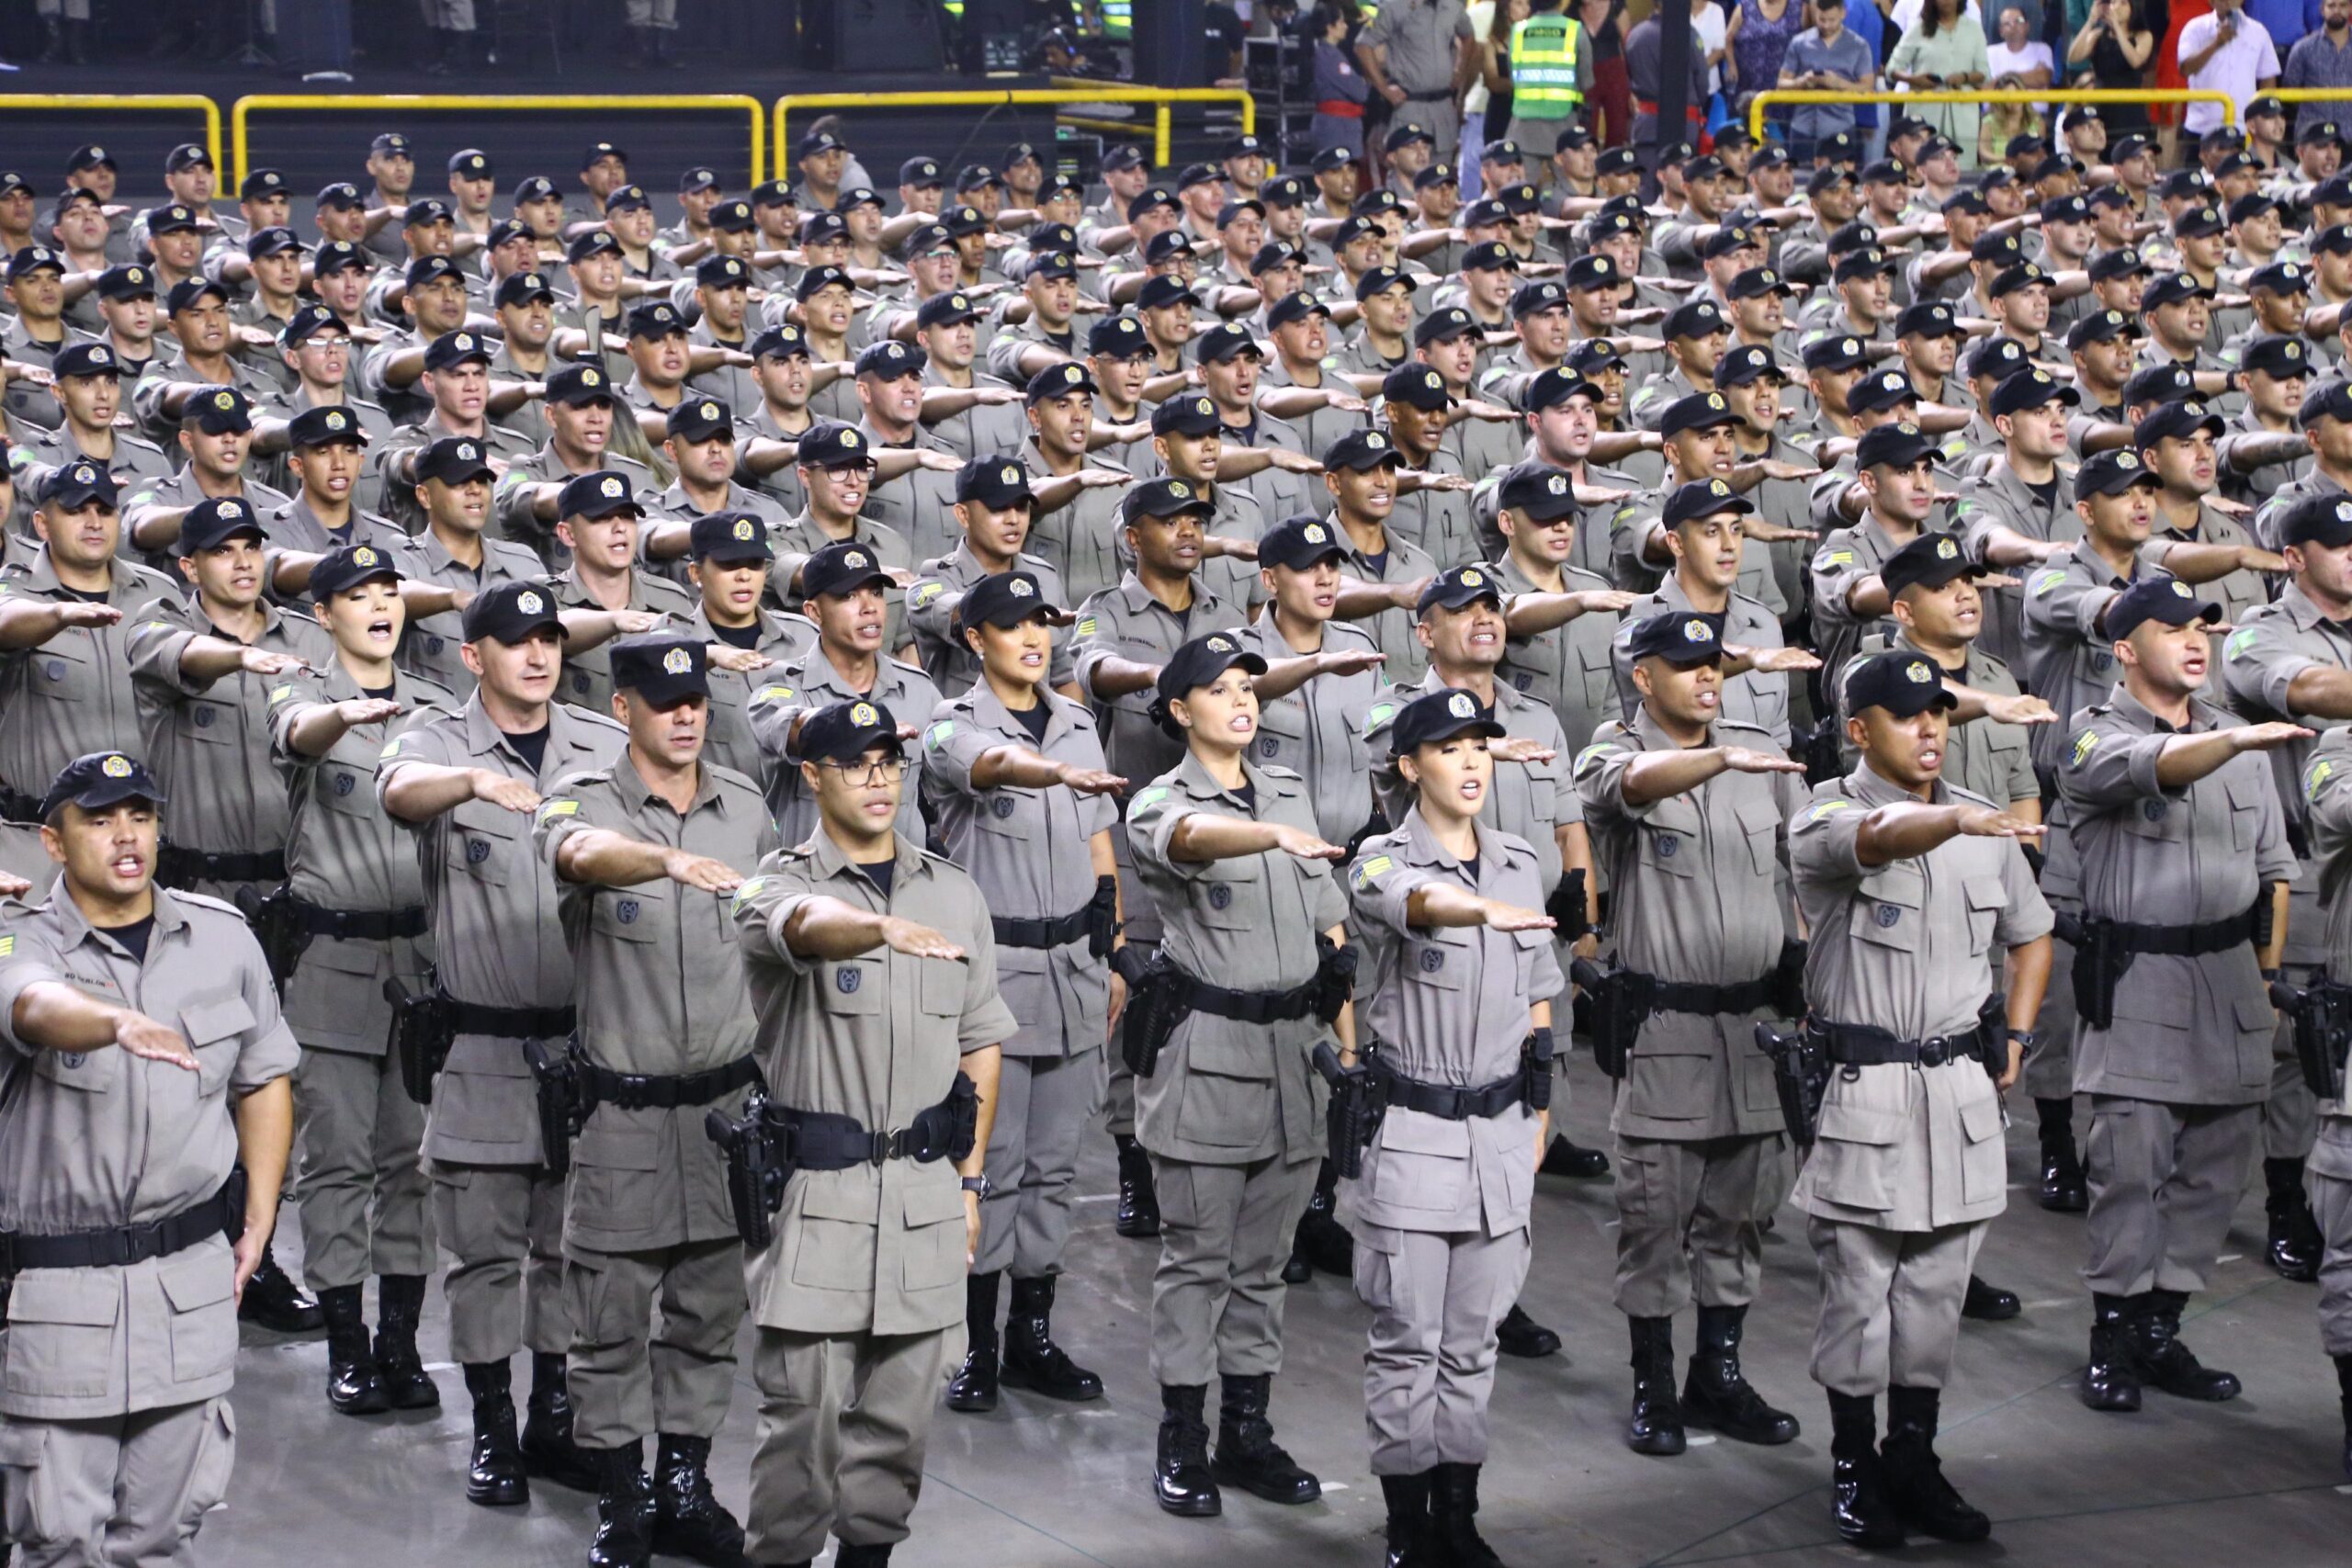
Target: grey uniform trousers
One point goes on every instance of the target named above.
(2332, 1207)
(1225, 1234)
(363, 1193)
(1429, 1369)
(1890, 1304)
(2049, 1069)
(1690, 1219)
(2291, 1116)
(631, 1374)
(505, 1225)
(1045, 1106)
(845, 1420)
(114, 1491)
(2165, 1180)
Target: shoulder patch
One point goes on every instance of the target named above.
(279, 694)
(772, 694)
(2084, 744)
(1367, 870)
(924, 592)
(2239, 641)
(2044, 582)
(1598, 749)
(1147, 800)
(2318, 773)
(559, 808)
(745, 894)
(1376, 715)
(936, 736)
(1821, 808)
(1835, 557)
(392, 749)
(1085, 627)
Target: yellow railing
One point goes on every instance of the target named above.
(117, 103)
(1771, 96)
(742, 103)
(1162, 100)
(2310, 96)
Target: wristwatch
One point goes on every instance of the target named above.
(980, 1184)
(2025, 1039)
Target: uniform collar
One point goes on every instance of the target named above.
(1868, 786)
(1198, 782)
(483, 736)
(1653, 734)
(2303, 613)
(637, 792)
(828, 860)
(2091, 561)
(74, 928)
(1418, 844)
(989, 709)
(2131, 711)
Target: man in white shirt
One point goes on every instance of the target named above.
(2231, 51)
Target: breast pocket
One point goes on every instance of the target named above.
(1445, 960)
(1760, 824)
(939, 989)
(852, 988)
(214, 1026)
(1232, 896)
(633, 914)
(2245, 810)
(1986, 898)
(1282, 734)
(87, 1072)
(1011, 813)
(483, 846)
(348, 788)
(1886, 912)
(207, 723)
(60, 1343)
(1599, 676)
(62, 671)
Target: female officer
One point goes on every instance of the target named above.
(1458, 1017)
(1231, 1110)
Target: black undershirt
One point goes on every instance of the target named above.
(1033, 720)
(1246, 794)
(97, 598)
(531, 746)
(2046, 494)
(134, 936)
(881, 872)
(1470, 868)
(381, 694)
(737, 636)
(1379, 564)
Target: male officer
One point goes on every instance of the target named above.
(123, 1140)
(601, 522)
(876, 1035)
(2326, 798)
(643, 851)
(994, 506)
(729, 574)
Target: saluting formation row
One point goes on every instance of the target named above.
(720, 734)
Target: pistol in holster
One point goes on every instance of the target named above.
(1103, 916)
(758, 1166)
(1536, 1063)
(2100, 962)
(1155, 1007)
(1335, 977)
(1359, 1101)
(2322, 1016)
(1788, 980)
(283, 938)
(1618, 1005)
(422, 1035)
(564, 1105)
(1568, 908)
(1993, 1036)
(1801, 1070)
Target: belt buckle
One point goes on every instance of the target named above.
(121, 1248)
(1935, 1051)
(629, 1091)
(885, 1146)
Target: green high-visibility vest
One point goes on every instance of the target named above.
(1544, 67)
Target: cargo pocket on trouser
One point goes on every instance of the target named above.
(29, 1507)
(216, 1456)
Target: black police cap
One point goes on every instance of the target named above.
(2180, 420)
(326, 426)
(1005, 599)
(1902, 683)
(340, 571)
(1439, 715)
(522, 288)
(663, 668)
(1684, 639)
(1930, 561)
(1201, 660)
(1896, 446)
(2030, 389)
(1544, 493)
(1301, 542)
(86, 359)
(1698, 411)
(1703, 498)
(830, 445)
(75, 485)
(843, 732)
(700, 418)
(455, 459)
(2317, 519)
(1059, 381)
(217, 520)
(512, 612)
(1225, 341)
(455, 348)
(2112, 473)
(996, 480)
(2159, 596)
(1189, 413)
(575, 385)
(729, 537)
(1417, 386)
(1162, 498)
(1458, 586)
(97, 780)
(219, 410)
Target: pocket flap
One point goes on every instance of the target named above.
(2245, 794)
(221, 1019)
(1986, 893)
(20, 1446)
(1855, 1124)
(1981, 1119)
(849, 1196)
(618, 1148)
(1411, 1134)
(64, 1297)
(347, 957)
(932, 1203)
(199, 1279)
(2255, 1014)
(1532, 941)
(1756, 816)
(1245, 1058)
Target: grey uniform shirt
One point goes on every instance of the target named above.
(2328, 807)
(2258, 485)
(1755, 697)
(732, 742)
(2311, 482)
(93, 1140)
(1391, 629)
(2068, 664)
(1846, 557)
(73, 694)
(496, 934)
(1317, 730)
(1693, 882)
(1127, 623)
(808, 683)
(803, 537)
(1030, 853)
(931, 605)
(1908, 947)
(587, 680)
(2188, 1030)
(1447, 1005)
(1984, 756)
(658, 979)
(984, 430)
(1568, 667)
(1080, 540)
(880, 1246)
(1997, 497)
(429, 646)
(1529, 800)
(180, 490)
(511, 513)
(918, 505)
(2239, 593)
(295, 526)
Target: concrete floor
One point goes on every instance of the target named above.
(1039, 1486)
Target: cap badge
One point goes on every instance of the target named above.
(365, 556)
(1019, 587)
(1071, 374)
(1717, 488)
(1219, 645)
(591, 377)
(1715, 401)
(1852, 347)
(137, 275)
(1374, 440)
(678, 661)
(467, 450)
(611, 489)
(1557, 484)
(224, 399)
(1178, 489)
(1461, 705)
(530, 604)
(1917, 672)
(743, 528)
(2180, 588)
(850, 438)
(1472, 577)
(854, 560)
(116, 766)
(709, 410)
(334, 418)
(1695, 630)
(2126, 460)
(1946, 549)
(231, 509)
(865, 713)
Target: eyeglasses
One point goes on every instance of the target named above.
(864, 772)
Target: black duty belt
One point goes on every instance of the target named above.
(175, 863)
(819, 1140)
(1454, 1102)
(664, 1091)
(510, 1023)
(1861, 1045)
(357, 925)
(222, 1215)
(1249, 1007)
(1043, 933)
(1676, 996)
(15, 805)
(2190, 942)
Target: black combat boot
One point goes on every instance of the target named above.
(1138, 1202)
(848, 1556)
(1989, 1302)
(1321, 1240)
(52, 41)
(2294, 1245)
(2343, 1395)
(1521, 1336)
(1454, 1520)
(354, 1384)
(1656, 1425)
(2111, 1377)
(665, 50)
(547, 1448)
(1716, 1393)
(2167, 1364)
(1914, 1476)
(625, 1510)
(2064, 1189)
(1408, 1497)
(495, 1476)
(1565, 1158)
(400, 1302)
(1032, 1359)
(1180, 1476)
(973, 1388)
(274, 1302)
(77, 41)
(687, 1520)
(1247, 1455)
(1859, 1504)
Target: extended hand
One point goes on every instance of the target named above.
(1984, 822)
(145, 1038)
(917, 941)
(1747, 760)
(1305, 845)
(498, 789)
(700, 871)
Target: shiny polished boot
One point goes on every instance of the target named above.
(1408, 1497)
(2111, 1377)
(1180, 1475)
(1521, 1336)
(1915, 1477)
(400, 1302)
(1989, 1304)
(625, 1510)
(2293, 1246)
(1322, 1240)
(274, 1302)
(1654, 1426)
(1859, 1504)
(2343, 1395)
(354, 1384)
(1454, 1520)
(1247, 1455)
(687, 1520)
(2166, 1363)
(547, 1448)
(973, 1389)
(848, 1556)
(1564, 1158)
(1032, 1359)
(2064, 1189)
(1138, 1200)
(1716, 1393)
(495, 1476)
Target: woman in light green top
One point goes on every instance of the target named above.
(1944, 54)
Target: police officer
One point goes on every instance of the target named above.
(601, 522)
(2324, 793)
(1016, 779)
(453, 486)
(665, 1032)
(995, 506)
(2173, 818)
(1909, 888)
(729, 573)
(464, 784)
(1566, 662)
(353, 917)
(1231, 1110)
(876, 1035)
(109, 1231)
(1687, 811)
(1457, 1036)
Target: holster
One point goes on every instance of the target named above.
(1800, 1076)
(283, 938)
(1818, 750)
(1103, 916)
(563, 1107)
(1335, 977)
(1536, 1062)
(1788, 980)
(1352, 1119)
(2322, 1016)
(1993, 1035)
(1155, 1007)
(1566, 907)
(422, 1035)
(1618, 1005)
(2100, 962)
(757, 1167)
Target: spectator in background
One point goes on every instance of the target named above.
(1868, 23)
(1758, 39)
(1826, 58)
(2287, 21)
(1944, 54)
(1707, 19)
(2229, 52)
(1489, 100)
(1604, 28)
(1339, 89)
(1419, 56)
(2321, 58)
(2017, 61)
(2113, 46)
(1644, 58)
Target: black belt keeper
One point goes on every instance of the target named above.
(1249, 1007)
(1451, 1101)
(510, 1023)
(175, 865)
(1860, 1045)
(1745, 995)
(663, 1091)
(15, 805)
(222, 1215)
(1042, 933)
(357, 925)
